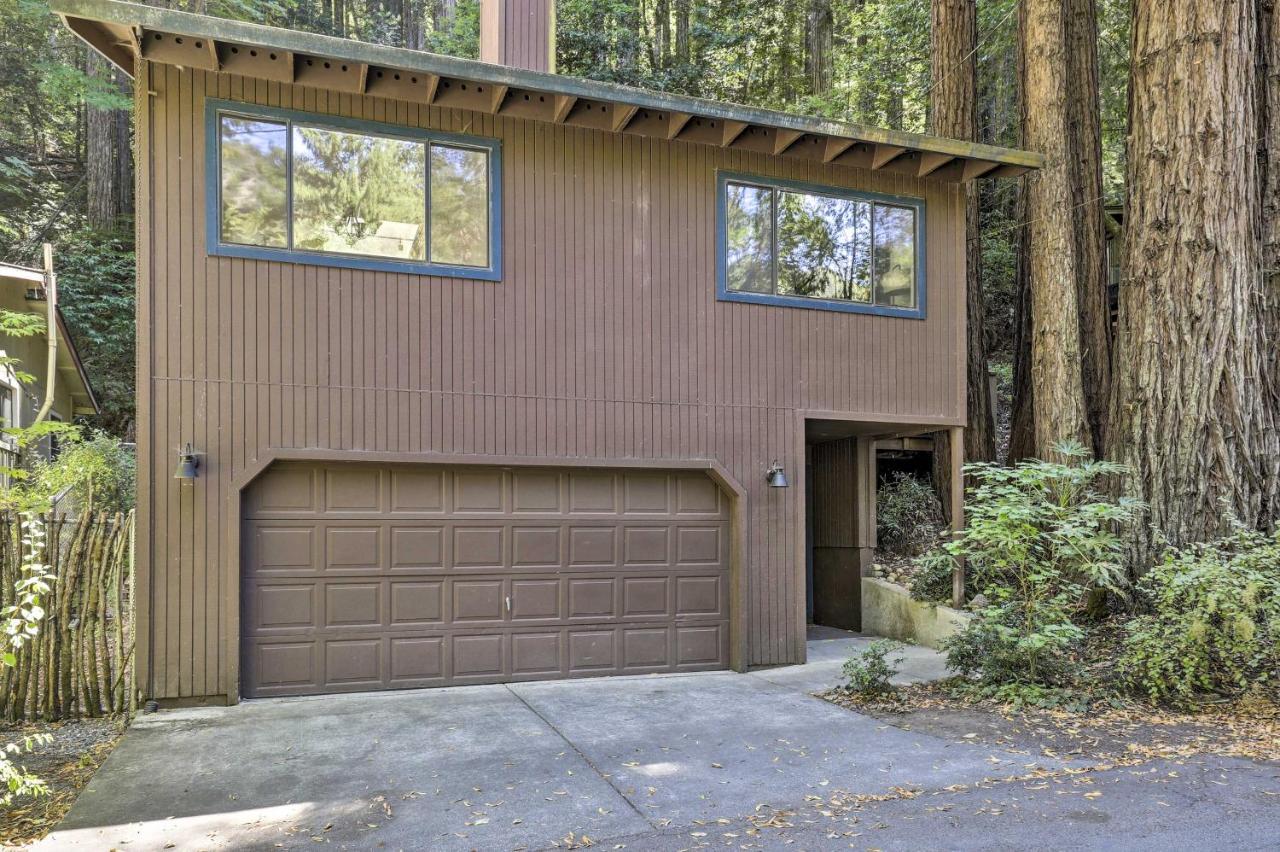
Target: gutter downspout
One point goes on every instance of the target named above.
(51, 332)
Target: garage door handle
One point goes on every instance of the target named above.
(508, 603)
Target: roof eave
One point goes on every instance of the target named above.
(121, 31)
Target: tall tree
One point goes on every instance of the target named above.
(953, 108)
(818, 45)
(1084, 133)
(1192, 353)
(1054, 393)
(108, 151)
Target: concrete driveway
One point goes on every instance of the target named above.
(638, 763)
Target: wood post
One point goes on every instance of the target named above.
(957, 511)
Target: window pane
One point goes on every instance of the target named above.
(749, 238)
(459, 206)
(823, 247)
(356, 194)
(253, 182)
(895, 256)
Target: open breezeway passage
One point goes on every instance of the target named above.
(647, 763)
(362, 577)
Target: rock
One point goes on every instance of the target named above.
(979, 602)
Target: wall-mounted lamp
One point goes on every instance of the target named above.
(188, 463)
(776, 476)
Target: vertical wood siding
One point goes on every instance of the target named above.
(604, 340)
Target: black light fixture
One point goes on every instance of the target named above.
(188, 463)
(776, 476)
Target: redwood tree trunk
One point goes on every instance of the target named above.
(108, 153)
(818, 46)
(1053, 261)
(1269, 182)
(1084, 131)
(1191, 416)
(954, 113)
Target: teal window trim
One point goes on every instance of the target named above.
(214, 109)
(724, 294)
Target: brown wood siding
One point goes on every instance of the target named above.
(604, 341)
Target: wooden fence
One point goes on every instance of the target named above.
(81, 664)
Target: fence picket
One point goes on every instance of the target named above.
(81, 663)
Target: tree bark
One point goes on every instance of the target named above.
(953, 111)
(1053, 261)
(683, 8)
(818, 46)
(108, 153)
(1269, 182)
(1085, 133)
(1190, 418)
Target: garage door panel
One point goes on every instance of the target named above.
(285, 490)
(479, 492)
(477, 600)
(645, 648)
(379, 577)
(536, 600)
(354, 489)
(700, 596)
(593, 546)
(592, 651)
(283, 607)
(418, 548)
(701, 645)
(415, 603)
(698, 495)
(353, 548)
(699, 545)
(537, 492)
(417, 661)
(592, 598)
(646, 494)
(353, 604)
(353, 662)
(536, 654)
(478, 657)
(276, 549)
(593, 493)
(417, 491)
(647, 598)
(478, 546)
(646, 545)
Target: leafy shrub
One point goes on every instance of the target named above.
(98, 473)
(1214, 620)
(1040, 537)
(908, 515)
(868, 671)
(931, 582)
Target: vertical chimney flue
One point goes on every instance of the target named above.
(519, 33)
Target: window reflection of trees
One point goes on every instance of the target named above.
(793, 243)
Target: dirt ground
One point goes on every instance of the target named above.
(65, 764)
(1115, 735)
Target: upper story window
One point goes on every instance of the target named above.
(340, 192)
(803, 245)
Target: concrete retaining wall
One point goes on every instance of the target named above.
(888, 610)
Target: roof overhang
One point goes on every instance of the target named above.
(70, 368)
(122, 31)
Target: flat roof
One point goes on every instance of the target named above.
(69, 364)
(121, 31)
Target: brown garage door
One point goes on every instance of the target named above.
(358, 577)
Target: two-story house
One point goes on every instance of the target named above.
(492, 374)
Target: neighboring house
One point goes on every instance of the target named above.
(495, 374)
(22, 290)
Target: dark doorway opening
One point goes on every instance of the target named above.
(839, 519)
